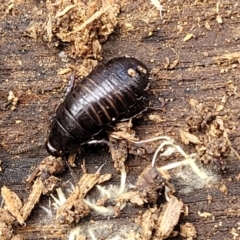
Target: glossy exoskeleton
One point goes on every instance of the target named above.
(111, 92)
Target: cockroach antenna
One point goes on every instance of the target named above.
(22, 150)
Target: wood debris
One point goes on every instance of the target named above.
(50, 184)
(119, 152)
(187, 137)
(233, 57)
(223, 188)
(149, 184)
(6, 222)
(157, 4)
(188, 231)
(12, 99)
(188, 37)
(18, 237)
(130, 196)
(158, 223)
(13, 203)
(169, 218)
(48, 166)
(44, 184)
(75, 208)
(123, 142)
(123, 130)
(148, 222)
(204, 214)
(86, 25)
(156, 118)
(33, 198)
(207, 131)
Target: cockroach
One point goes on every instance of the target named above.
(114, 91)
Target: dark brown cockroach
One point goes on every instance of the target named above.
(113, 91)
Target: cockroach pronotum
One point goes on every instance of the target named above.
(113, 91)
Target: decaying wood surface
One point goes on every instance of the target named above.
(193, 54)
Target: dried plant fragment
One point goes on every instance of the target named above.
(75, 208)
(33, 198)
(156, 118)
(13, 203)
(86, 25)
(50, 184)
(219, 19)
(81, 237)
(13, 99)
(204, 214)
(199, 116)
(86, 67)
(49, 165)
(171, 65)
(157, 4)
(168, 219)
(148, 222)
(131, 196)
(105, 177)
(123, 130)
(188, 37)
(233, 57)
(119, 152)
(224, 189)
(188, 231)
(18, 237)
(119, 148)
(6, 217)
(6, 222)
(187, 137)
(72, 211)
(5, 231)
(158, 223)
(149, 184)
(213, 145)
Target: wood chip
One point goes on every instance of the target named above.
(188, 231)
(156, 118)
(149, 184)
(188, 37)
(33, 198)
(187, 137)
(169, 218)
(13, 203)
(75, 208)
